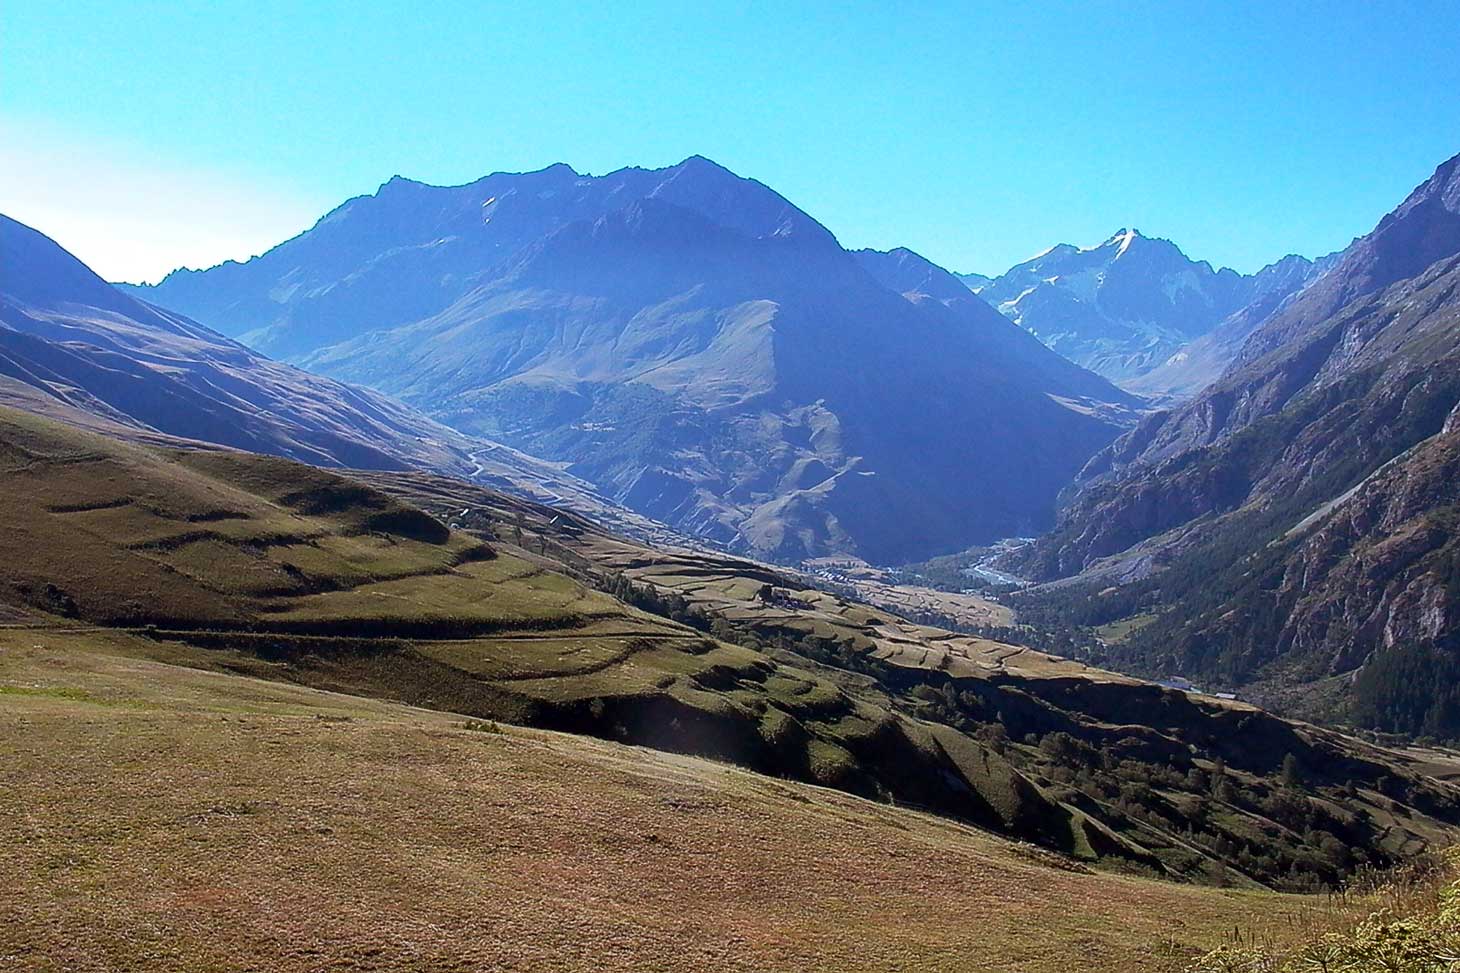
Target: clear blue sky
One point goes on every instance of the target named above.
(145, 135)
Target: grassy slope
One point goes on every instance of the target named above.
(302, 574)
(295, 573)
(1139, 760)
(163, 817)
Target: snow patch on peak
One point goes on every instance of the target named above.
(1120, 239)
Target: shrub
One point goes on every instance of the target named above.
(1415, 930)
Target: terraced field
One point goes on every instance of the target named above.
(1192, 785)
(291, 572)
(444, 595)
(730, 587)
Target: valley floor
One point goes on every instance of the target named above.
(158, 816)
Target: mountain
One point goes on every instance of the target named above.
(1127, 306)
(1296, 519)
(71, 342)
(1203, 360)
(345, 276)
(692, 343)
(78, 349)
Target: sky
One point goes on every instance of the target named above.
(146, 136)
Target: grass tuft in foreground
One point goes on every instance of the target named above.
(1412, 925)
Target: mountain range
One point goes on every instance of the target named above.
(692, 343)
(1293, 525)
(1130, 307)
(702, 352)
(171, 601)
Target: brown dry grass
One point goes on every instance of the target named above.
(154, 817)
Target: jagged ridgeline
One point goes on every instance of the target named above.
(1139, 311)
(1291, 532)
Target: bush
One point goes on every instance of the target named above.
(1415, 930)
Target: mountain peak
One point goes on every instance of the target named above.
(1443, 187)
(698, 161)
(738, 202)
(559, 169)
(397, 183)
(1121, 239)
(905, 271)
(1123, 306)
(905, 255)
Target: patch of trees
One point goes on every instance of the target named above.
(666, 604)
(1192, 803)
(1411, 689)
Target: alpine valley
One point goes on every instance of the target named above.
(560, 572)
(1263, 505)
(1290, 532)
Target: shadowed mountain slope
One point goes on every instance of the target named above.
(77, 349)
(71, 341)
(1296, 501)
(690, 342)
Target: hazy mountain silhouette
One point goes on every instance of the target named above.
(692, 342)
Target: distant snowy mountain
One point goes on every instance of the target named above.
(1126, 306)
(1202, 361)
